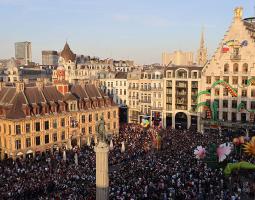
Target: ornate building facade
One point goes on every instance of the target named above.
(181, 87)
(228, 79)
(41, 117)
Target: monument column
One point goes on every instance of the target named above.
(102, 151)
(102, 175)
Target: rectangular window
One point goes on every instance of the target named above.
(83, 131)
(217, 91)
(243, 117)
(90, 130)
(46, 139)
(235, 80)
(114, 114)
(244, 80)
(244, 93)
(28, 142)
(225, 92)
(46, 125)
(114, 125)
(225, 103)
(18, 130)
(253, 105)
(37, 126)
(208, 79)
(55, 124)
(18, 144)
(63, 122)
(225, 116)
(109, 115)
(55, 137)
(234, 104)
(233, 117)
(244, 104)
(27, 128)
(90, 117)
(37, 140)
(63, 135)
(83, 119)
(108, 126)
(226, 79)
(96, 117)
(253, 93)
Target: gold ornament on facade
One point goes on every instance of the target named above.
(239, 12)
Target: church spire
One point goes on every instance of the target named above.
(202, 41)
(202, 51)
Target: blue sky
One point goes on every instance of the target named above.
(123, 29)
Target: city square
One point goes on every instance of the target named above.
(94, 126)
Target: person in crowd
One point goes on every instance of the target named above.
(142, 172)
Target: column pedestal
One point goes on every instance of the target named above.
(102, 175)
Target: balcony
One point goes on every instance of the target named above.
(235, 57)
(133, 88)
(145, 89)
(181, 107)
(181, 93)
(157, 108)
(157, 88)
(145, 113)
(181, 102)
(181, 85)
(146, 101)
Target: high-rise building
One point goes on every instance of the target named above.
(23, 52)
(202, 52)
(49, 57)
(177, 58)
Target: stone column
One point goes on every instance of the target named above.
(102, 175)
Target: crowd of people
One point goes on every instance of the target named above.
(142, 171)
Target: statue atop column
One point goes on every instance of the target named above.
(100, 129)
(102, 167)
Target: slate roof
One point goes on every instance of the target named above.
(15, 102)
(67, 53)
(121, 75)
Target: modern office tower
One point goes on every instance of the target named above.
(23, 52)
(49, 57)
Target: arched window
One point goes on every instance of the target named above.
(245, 68)
(181, 73)
(226, 68)
(235, 68)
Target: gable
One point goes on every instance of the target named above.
(237, 46)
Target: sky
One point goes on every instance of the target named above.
(138, 30)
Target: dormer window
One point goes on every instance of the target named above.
(72, 105)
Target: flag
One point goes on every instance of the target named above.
(225, 48)
(244, 43)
